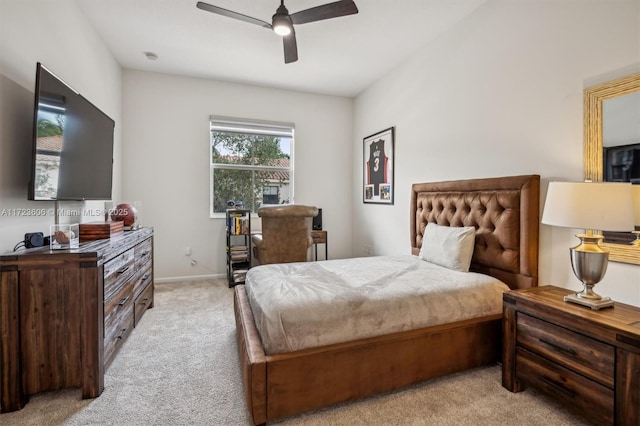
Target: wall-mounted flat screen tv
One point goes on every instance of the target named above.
(72, 144)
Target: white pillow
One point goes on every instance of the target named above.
(451, 247)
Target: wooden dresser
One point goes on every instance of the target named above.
(64, 314)
(589, 360)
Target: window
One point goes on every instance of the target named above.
(251, 163)
(270, 195)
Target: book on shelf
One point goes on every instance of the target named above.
(238, 250)
(239, 258)
(238, 223)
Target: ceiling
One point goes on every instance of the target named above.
(340, 56)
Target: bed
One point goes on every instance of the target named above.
(505, 214)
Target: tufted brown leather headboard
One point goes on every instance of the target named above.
(505, 213)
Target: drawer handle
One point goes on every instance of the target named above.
(144, 301)
(123, 301)
(557, 386)
(122, 333)
(558, 347)
(123, 270)
(144, 253)
(144, 277)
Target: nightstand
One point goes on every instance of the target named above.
(589, 360)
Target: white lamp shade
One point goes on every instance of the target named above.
(604, 206)
(635, 191)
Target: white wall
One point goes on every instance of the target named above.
(498, 94)
(166, 161)
(56, 34)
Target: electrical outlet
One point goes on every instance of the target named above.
(187, 251)
(367, 249)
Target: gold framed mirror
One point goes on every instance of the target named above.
(594, 97)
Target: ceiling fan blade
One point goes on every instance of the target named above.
(290, 47)
(230, 14)
(326, 11)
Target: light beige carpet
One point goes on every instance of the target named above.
(180, 367)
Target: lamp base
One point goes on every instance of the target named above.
(595, 304)
(589, 263)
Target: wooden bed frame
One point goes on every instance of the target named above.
(505, 212)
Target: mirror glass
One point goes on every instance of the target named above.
(621, 148)
(612, 149)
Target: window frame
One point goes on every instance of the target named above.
(255, 127)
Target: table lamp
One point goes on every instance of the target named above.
(590, 206)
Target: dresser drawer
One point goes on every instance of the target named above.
(142, 303)
(117, 271)
(142, 279)
(143, 252)
(118, 320)
(565, 386)
(587, 356)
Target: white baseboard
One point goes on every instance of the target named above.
(188, 278)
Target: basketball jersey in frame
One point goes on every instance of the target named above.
(377, 165)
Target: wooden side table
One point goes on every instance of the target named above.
(589, 360)
(320, 237)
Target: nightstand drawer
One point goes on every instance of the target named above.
(587, 356)
(564, 385)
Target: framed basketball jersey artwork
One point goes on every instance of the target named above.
(378, 167)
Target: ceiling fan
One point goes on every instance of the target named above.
(282, 22)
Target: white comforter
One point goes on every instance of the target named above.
(304, 305)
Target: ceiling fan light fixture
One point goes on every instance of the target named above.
(281, 25)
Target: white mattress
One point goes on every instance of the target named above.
(304, 305)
